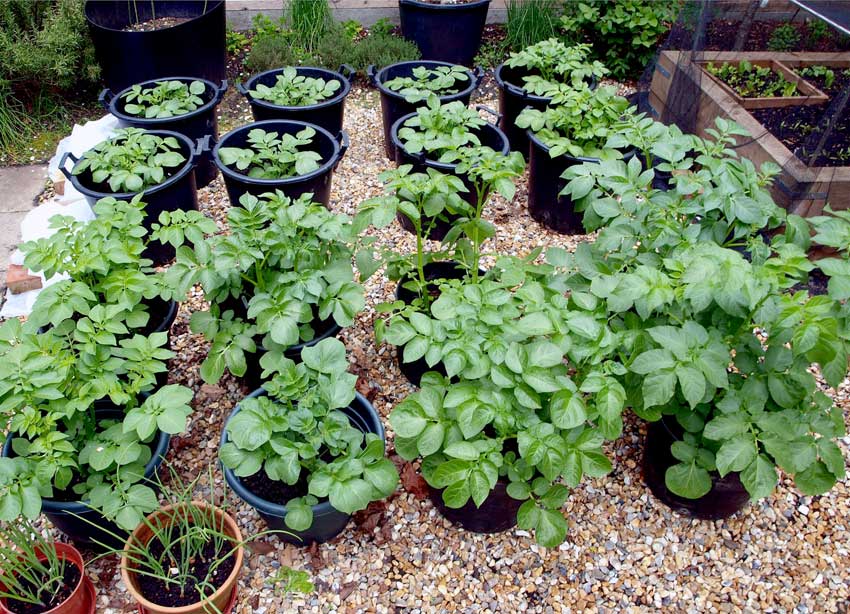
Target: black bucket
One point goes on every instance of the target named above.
(393, 104)
(331, 148)
(195, 47)
(328, 114)
(496, 514)
(488, 134)
(327, 521)
(85, 526)
(726, 497)
(545, 205)
(195, 124)
(444, 32)
(512, 100)
(177, 192)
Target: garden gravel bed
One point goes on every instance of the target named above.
(625, 550)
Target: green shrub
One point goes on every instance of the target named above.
(383, 50)
(235, 41)
(624, 33)
(275, 51)
(382, 26)
(784, 38)
(530, 22)
(816, 31)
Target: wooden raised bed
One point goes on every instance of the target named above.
(809, 94)
(800, 189)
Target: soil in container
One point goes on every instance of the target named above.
(156, 24)
(161, 593)
(71, 578)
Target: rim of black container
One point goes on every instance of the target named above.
(211, 5)
(380, 76)
(155, 121)
(252, 83)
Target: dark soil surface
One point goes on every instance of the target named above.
(71, 579)
(817, 284)
(721, 34)
(160, 23)
(169, 595)
(799, 127)
(275, 491)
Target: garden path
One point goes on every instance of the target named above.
(19, 190)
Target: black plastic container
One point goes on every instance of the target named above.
(444, 32)
(328, 114)
(434, 271)
(545, 204)
(726, 497)
(327, 521)
(496, 514)
(195, 47)
(393, 104)
(512, 100)
(331, 148)
(196, 124)
(488, 134)
(179, 191)
(85, 526)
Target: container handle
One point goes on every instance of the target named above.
(478, 74)
(347, 71)
(486, 109)
(516, 91)
(222, 90)
(202, 146)
(373, 74)
(106, 97)
(64, 160)
(240, 87)
(344, 143)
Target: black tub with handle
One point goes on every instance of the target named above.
(545, 204)
(86, 526)
(328, 522)
(512, 100)
(194, 46)
(328, 114)
(179, 191)
(195, 124)
(444, 32)
(318, 182)
(488, 134)
(393, 104)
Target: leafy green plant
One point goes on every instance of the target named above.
(132, 160)
(529, 23)
(297, 432)
(33, 571)
(166, 99)
(308, 21)
(95, 345)
(554, 67)
(382, 27)
(441, 130)
(425, 82)
(236, 41)
(630, 29)
(823, 72)
(751, 81)
(784, 38)
(271, 155)
(383, 50)
(581, 124)
(816, 31)
(291, 262)
(294, 90)
(833, 230)
(352, 28)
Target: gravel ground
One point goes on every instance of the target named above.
(625, 551)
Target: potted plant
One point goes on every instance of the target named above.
(287, 155)
(441, 136)
(312, 95)
(406, 86)
(140, 40)
(156, 163)
(447, 31)
(575, 130)
(306, 450)
(89, 412)
(41, 575)
(280, 280)
(185, 105)
(533, 398)
(537, 75)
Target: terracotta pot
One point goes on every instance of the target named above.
(82, 599)
(218, 602)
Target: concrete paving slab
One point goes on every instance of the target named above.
(19, 189)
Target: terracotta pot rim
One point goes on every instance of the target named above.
(69, 553)
(229, 584)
